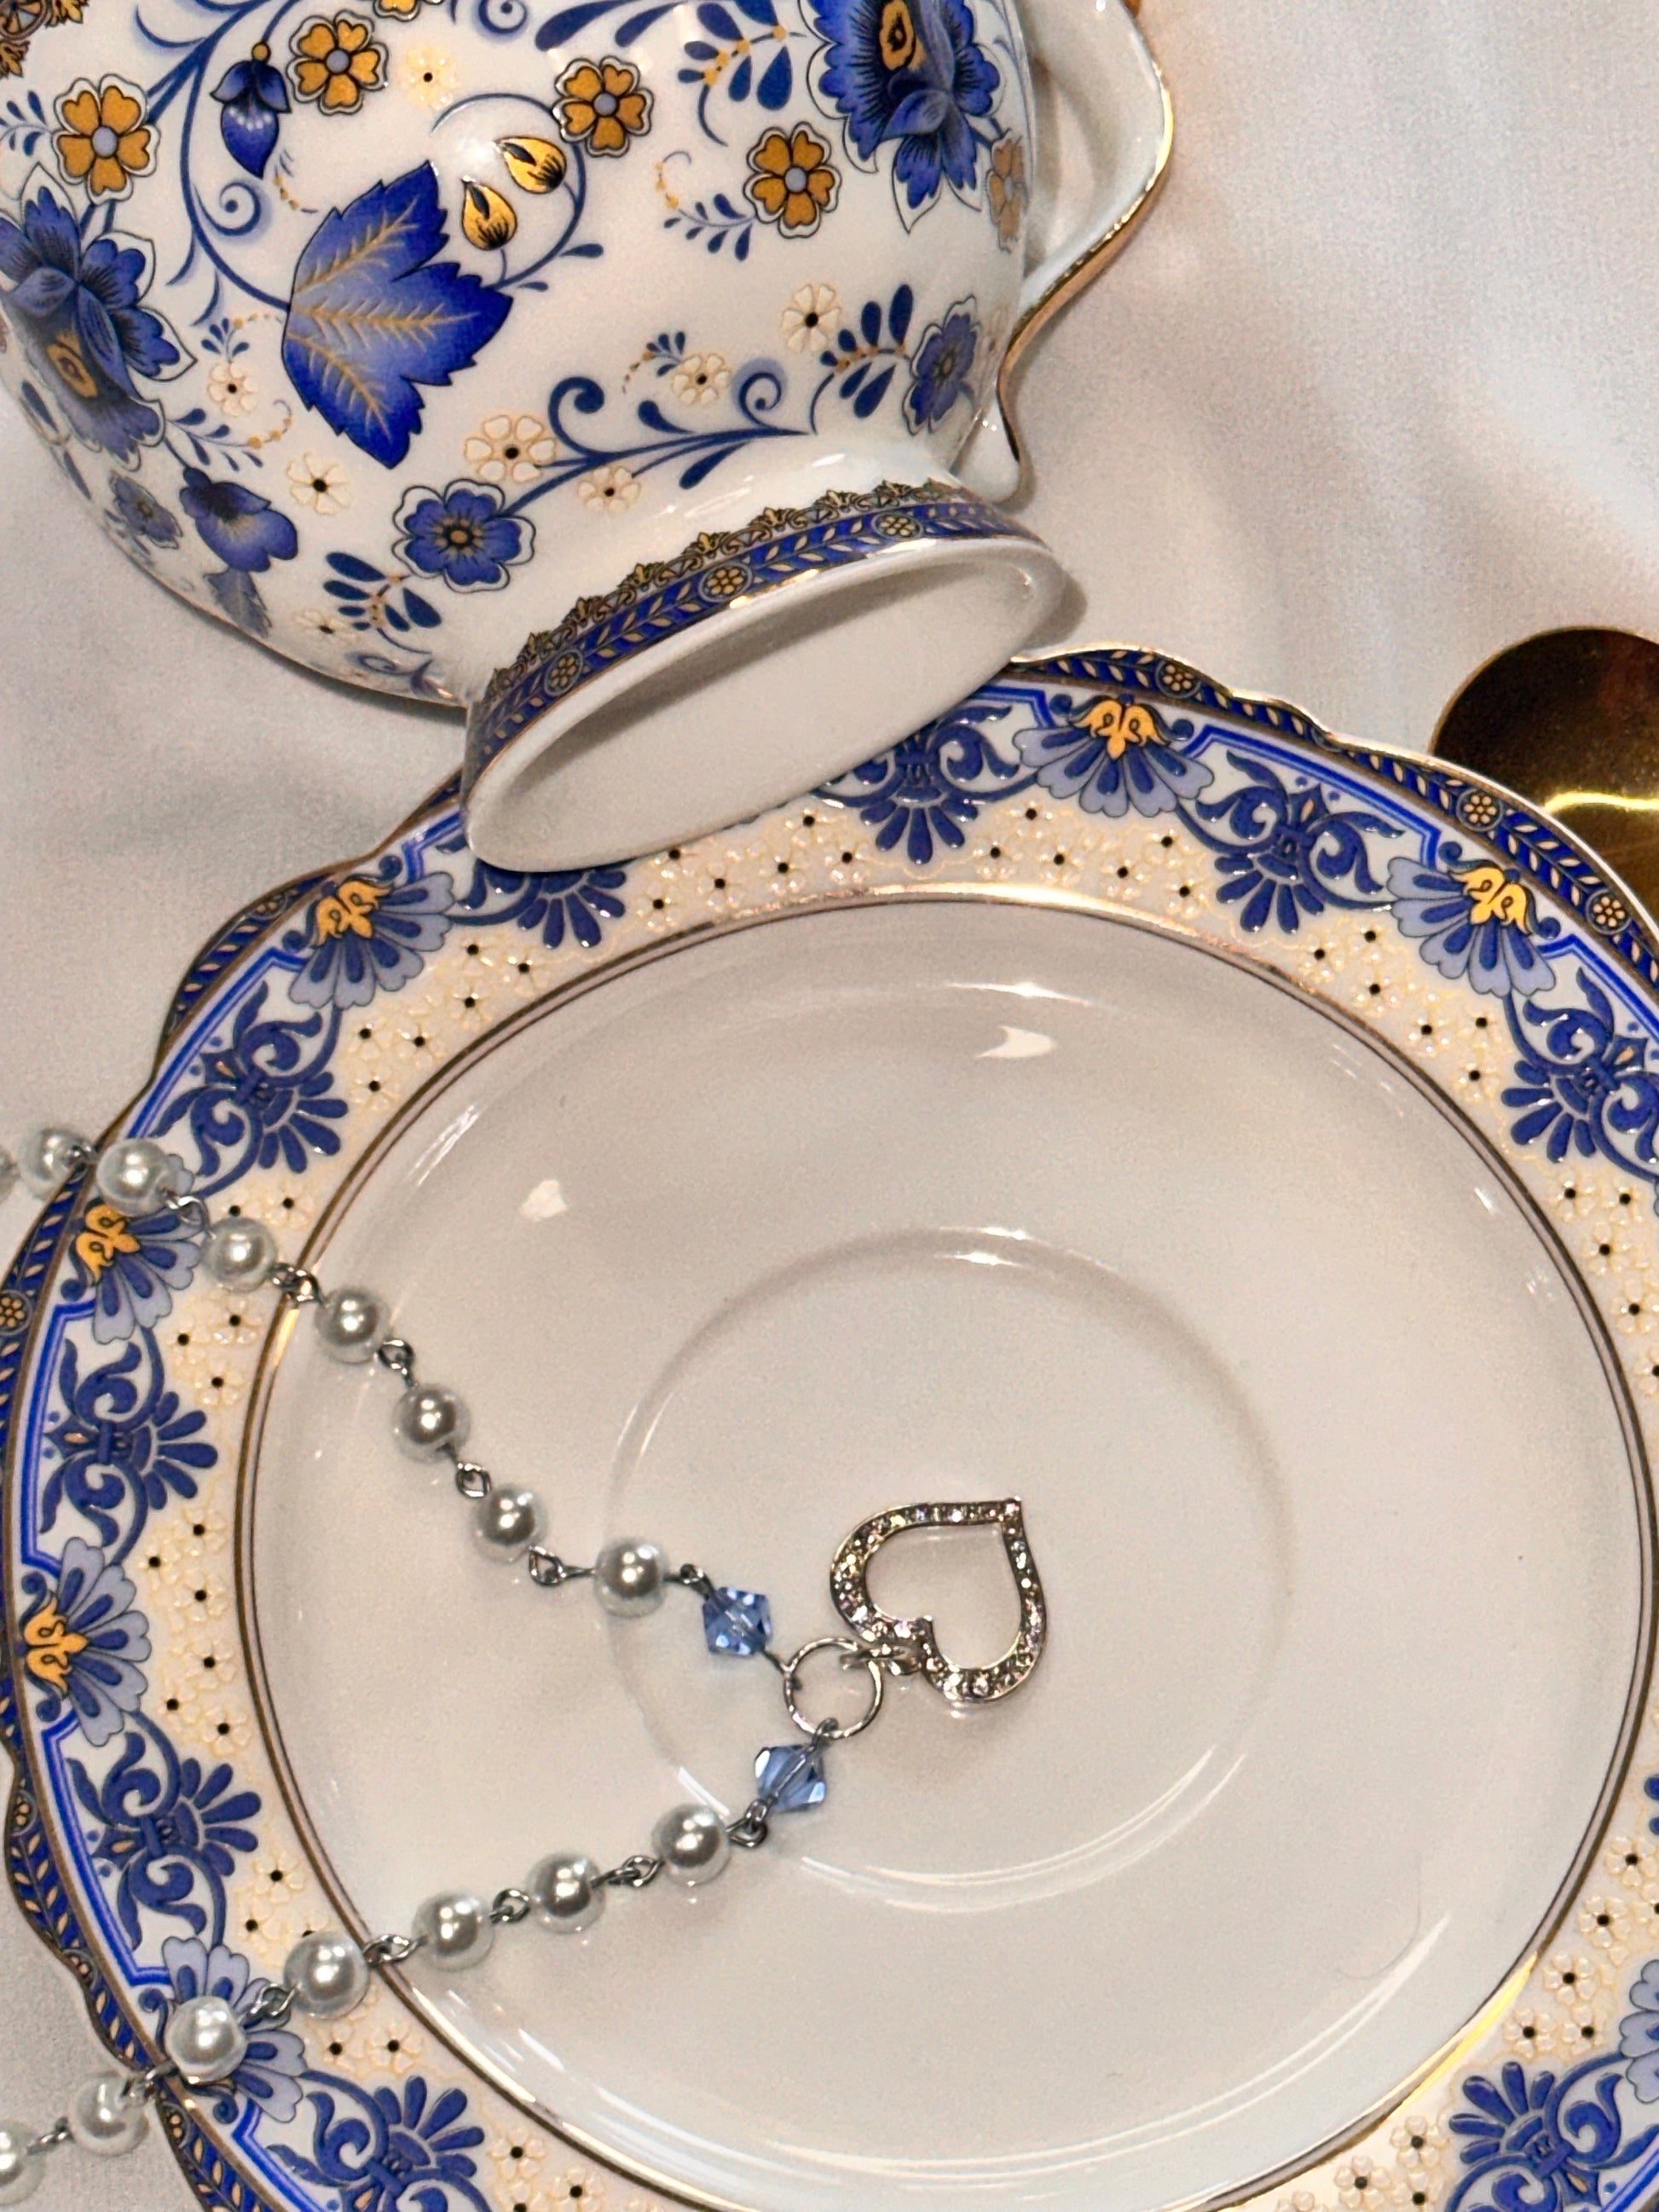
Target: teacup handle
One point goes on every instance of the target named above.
(1096, 50)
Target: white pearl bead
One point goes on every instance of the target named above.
(204, 2039)
(21, 2169)
(8, 1175)
(239, 1254)
(107, 2116)
(350, 1324)
(327, 1974)
(428, 1420)
(630, 1576)
(456, 1929)
(507, 1522)
(135, 1174)
(692, 1843)
(565, 1887)
(47, 1157)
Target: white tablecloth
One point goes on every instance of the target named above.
(1371, 397)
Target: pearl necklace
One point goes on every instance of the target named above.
(204, 2038)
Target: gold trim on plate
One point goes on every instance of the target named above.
(1458, 2047)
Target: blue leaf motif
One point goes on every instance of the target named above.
(872, 395)
(774, 87)
(238, 596)
(570, 22)
(372, 315)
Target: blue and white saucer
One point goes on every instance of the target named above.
(1237, 1144)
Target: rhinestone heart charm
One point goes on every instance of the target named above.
(911, 1646)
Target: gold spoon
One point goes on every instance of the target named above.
(1570, 719)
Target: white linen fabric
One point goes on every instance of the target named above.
(1371, 398)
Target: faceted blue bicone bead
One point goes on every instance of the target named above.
(737, 1621)
(792, 1776)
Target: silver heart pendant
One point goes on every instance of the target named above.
(911, 1647)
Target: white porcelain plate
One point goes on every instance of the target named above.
(1236, 1144)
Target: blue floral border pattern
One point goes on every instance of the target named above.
(1562, 868)
(661, 599)
(103, 1442)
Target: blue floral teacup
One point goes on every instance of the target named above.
(626, 371)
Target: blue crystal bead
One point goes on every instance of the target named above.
(737, 1621)
(792, 1776)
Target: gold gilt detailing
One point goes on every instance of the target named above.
(1494, 895)
(487, 216)
(535, 165)
(900, 46)
(103, 1240)
(1121, 723)
(712, 547)
(49, 1644)
(19, 22)
(348, 907)
(66, 357)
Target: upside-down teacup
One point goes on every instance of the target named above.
(626, 370)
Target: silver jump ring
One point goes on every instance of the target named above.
(833, 1731)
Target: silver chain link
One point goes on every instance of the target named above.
(392, 1950)
(637, 1872)
(271, 2008)
(298, 1285)
(549, 1571)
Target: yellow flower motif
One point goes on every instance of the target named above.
(1121, 723)
(231, 388)
(103, 1240)
(487, 216)
(535, 165)
(49, 1644)
(427, 76)
(321, 485)
(1493, 897)
(613, 488)
(510, 448)
(103, 141)
(809, 314)
(792, 180)
(701, 378)
(1006, 190)
(602, 105)
(404, 10)
(336, 62)
(351, 908)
